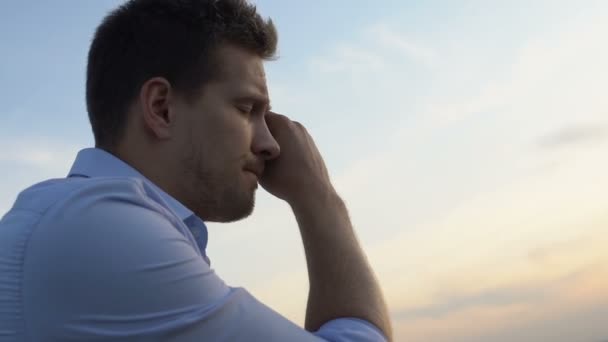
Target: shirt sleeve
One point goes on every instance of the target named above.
(110, 264)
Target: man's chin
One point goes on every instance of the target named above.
(234, 212)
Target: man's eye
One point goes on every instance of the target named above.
(245, 109)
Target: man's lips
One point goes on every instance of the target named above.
(253, 173)
(257, 171)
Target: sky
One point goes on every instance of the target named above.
(468, 138)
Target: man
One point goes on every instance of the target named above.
(178, 103)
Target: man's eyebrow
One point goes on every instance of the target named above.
(263, 100)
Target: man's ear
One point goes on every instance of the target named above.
(155, 99)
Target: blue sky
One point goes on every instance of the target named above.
(468, 138)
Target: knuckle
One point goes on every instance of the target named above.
(282, 117)
(279, 119)
(299, 125)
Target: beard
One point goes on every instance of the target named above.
(232, 200)
(216, 192)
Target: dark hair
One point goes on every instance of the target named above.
(174, 39)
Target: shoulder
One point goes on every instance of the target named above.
(108, 252)
(95, 211)
(98, 227)
(60, 213)
(72, 193)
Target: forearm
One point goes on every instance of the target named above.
(342, 283)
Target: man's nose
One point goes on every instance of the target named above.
(264, 144)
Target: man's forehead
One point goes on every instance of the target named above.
(247, 88)
(234, 61)
(241, 70)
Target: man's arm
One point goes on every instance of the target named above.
(342, 283)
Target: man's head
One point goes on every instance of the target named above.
(177, 89)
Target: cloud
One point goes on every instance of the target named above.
(352, 59)
(561, 72)
(31, 160)
(45, 154)
(562, 307)
(575, 135)
(390, 39)
(489, 298)
(380, 49)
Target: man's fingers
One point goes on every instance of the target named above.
(274, 120)
(272, 116)
(278, 123)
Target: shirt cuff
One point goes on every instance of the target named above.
(350, 329)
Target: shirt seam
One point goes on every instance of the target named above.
(26, 331)
(35, 227)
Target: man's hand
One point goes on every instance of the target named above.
(342, 284)
(299, 173)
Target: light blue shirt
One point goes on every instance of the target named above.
(105, 255)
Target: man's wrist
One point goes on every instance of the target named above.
(315, 198)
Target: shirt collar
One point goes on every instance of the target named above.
(95, 162)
